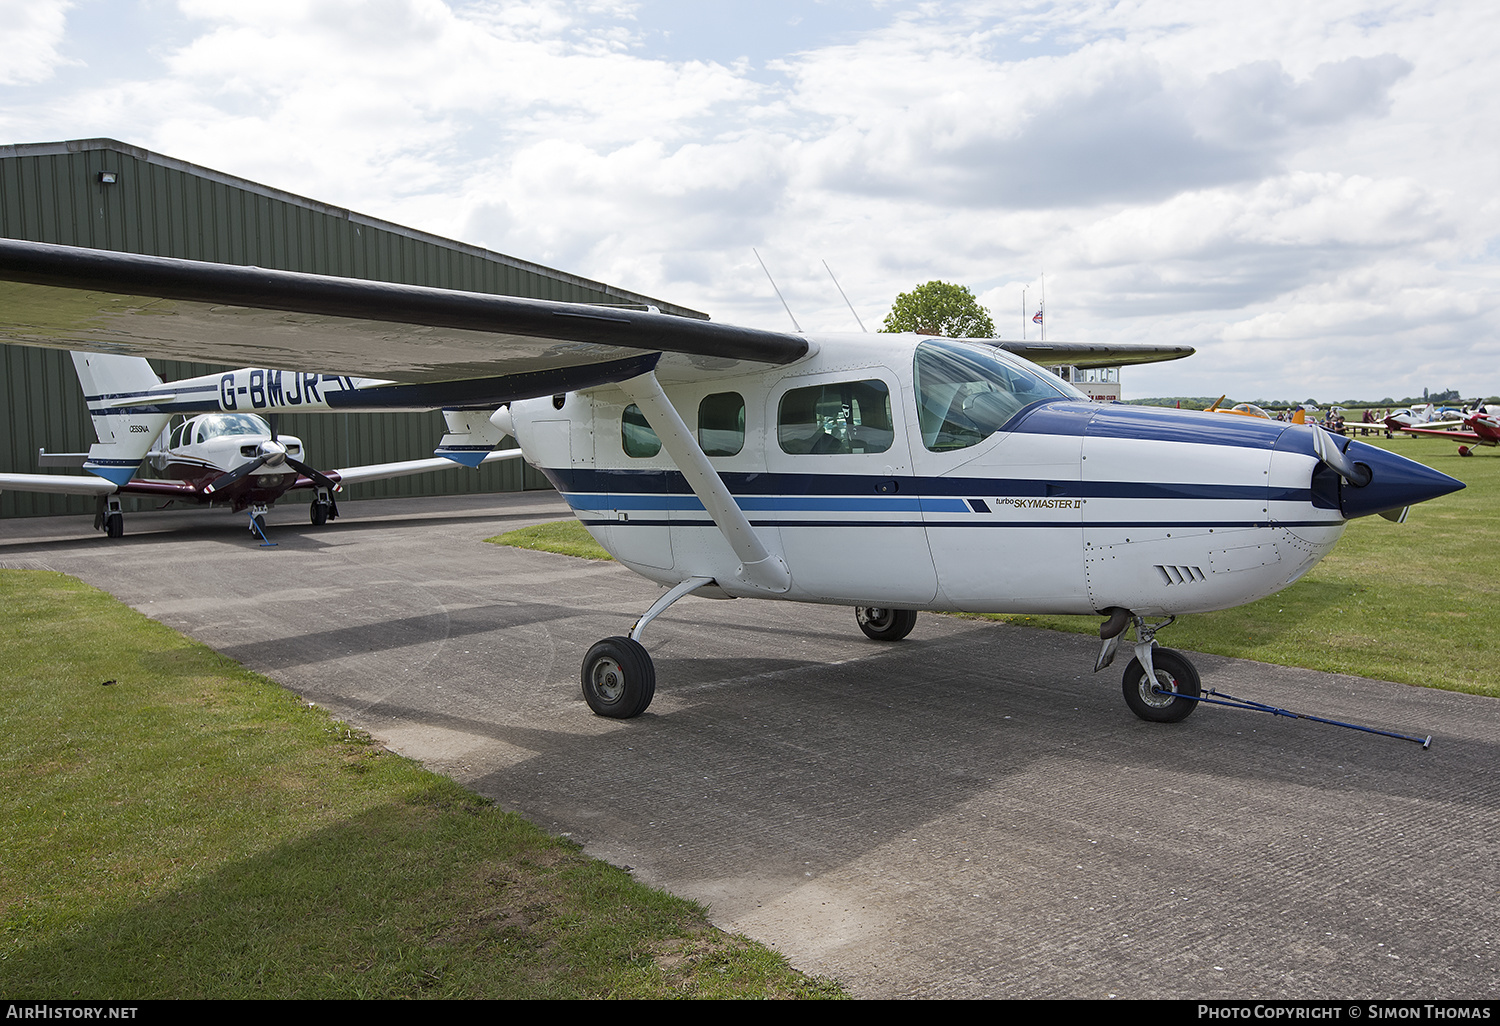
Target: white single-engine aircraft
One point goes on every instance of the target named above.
(892, 473)
(227, 457)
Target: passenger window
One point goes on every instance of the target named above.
(636, 436)
(721, 424)
(843, 417)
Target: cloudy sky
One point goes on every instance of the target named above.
(1307, 192)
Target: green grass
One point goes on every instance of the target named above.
(1413, 602)
(568, 537)
(177, 827)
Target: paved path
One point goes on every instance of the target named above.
(969, 813)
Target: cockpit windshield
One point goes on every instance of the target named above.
(967, 391)
(213, 425)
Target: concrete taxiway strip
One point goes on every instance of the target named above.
(969, 813)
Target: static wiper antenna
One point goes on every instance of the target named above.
(846, 298)
(776, 290)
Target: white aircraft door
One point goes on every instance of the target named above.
(1001, 496)
(841, 491)
(626, 485)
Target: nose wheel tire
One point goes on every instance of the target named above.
(619, 679)
(1174, 676)
(885, 624)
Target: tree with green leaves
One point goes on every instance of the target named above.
(939, 308)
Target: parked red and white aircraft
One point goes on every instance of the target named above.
(1484, 429)
(232, 458)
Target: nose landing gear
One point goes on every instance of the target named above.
(1158, 700)
(1160, 684)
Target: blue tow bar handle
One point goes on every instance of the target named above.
(1245, 703)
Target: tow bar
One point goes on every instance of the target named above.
(1220, 698)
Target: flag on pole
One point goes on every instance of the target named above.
(1038, 317)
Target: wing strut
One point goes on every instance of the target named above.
(759, 566)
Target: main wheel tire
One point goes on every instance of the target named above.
(319, 513)
(1173, 673)
(885, 624)
(114, 525)
(619, 679)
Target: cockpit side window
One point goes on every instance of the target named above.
(636, 436)
(839, 417)
(967, 392)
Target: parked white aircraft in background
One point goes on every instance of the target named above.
(892, 473)
(231, 458)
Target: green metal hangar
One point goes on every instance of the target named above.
(104, 194)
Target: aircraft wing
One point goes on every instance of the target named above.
(1458, 436)
(65, 484)
(1091, 354)
(382, 471)
(502, 347)
(65, 297)
(57, 484)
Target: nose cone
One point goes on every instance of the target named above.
(1395, 481)
(274, 454)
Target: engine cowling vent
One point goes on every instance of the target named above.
(1180, 574)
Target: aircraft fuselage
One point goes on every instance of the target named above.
(866, 475)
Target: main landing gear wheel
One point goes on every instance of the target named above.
(1174, 674)
(885, 624)
(319, 513)
(114, 525)
(619, 679)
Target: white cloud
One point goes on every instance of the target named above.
(1304, 191)
(32, 30)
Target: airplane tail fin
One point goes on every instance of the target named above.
(470, 438)
(125, 421)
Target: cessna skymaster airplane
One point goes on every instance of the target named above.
(227, 457)
(892, 473)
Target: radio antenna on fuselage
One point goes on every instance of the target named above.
(846, 298)
(776, 290)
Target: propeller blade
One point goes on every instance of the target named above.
(311, 474)
(1329, 452)
(230, 477)
(274, 418)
